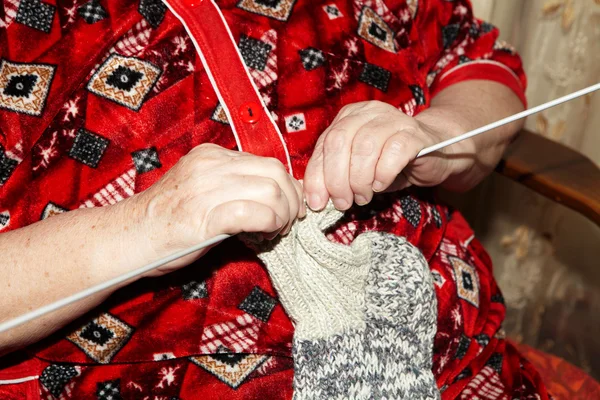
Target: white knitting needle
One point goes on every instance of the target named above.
(30, 316)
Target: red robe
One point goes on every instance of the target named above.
(99, 98)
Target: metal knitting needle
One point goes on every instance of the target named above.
(30, 316)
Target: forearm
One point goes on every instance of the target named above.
(62, 255)
(466, 106)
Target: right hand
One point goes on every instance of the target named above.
(212, 191)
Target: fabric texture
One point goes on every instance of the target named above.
(97, 106)
(364, 315)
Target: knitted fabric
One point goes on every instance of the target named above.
(364, 314)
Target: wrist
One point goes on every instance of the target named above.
(443, 124)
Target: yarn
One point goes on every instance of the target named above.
(364, 314)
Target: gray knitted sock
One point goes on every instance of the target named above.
(364, 315)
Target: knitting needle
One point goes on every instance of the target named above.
(30, 316)
(510, 119)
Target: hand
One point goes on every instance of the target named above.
(371, 147)
(212, 191)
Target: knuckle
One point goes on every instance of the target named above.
(364, 145)
(335, 139)
(274, 164)
(271, 188)
(241, 210)
(397, 147)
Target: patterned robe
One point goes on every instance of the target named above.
(98, 98)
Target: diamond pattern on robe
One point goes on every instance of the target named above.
(332, 11)
(438, 279)
(109, 390)
(36, 14)
(482, 339)
(418, 94)
(486, 27)
(258, 304)
(153, 11)
(437, 217)
(146, 160)
(7, 166)
(254, 52)
(219, 115)
(92, 12)
(102, 338)
(486, 384)
(465, 373)
(25, 87)
(268, 75)
(411, 209)
(495, 361)
(449, 34)
(4, 219)
(51, 210)
(463, 60)
(375, 76)
(163, 356)
(497, 298)
(467, 282)
(311, 58)
(463, 347)
(124, 80)
(118, 189)
(295, 122)
(55, 377)
(230, 368)
(88, 148)
(239, 334)
(276, 9)
(413, 7)
(194, 290)
(374, 30)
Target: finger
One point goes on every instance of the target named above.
(238, 216)
(314, 179)
(300, 193)
(337, 148)
(258, 189)
(273, 169)
(366, 150)
(277, 171)
(400, 183)
(397, 152)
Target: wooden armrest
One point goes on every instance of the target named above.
(555, 171)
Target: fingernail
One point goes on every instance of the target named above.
(314, 202)
(360, 200)
(378, 186)
(341, 204)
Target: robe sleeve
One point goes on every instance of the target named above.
(455, 46)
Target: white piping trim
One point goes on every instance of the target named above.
(210, 75)
(470, 63)
(19, 380)
(216, 88)
(266, 110)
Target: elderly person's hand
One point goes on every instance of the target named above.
(372, 147)
(212, 191)
(208, 192)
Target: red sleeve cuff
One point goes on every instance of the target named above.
(481, 69)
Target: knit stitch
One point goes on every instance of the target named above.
(364, 314)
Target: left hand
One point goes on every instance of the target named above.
(372, 147)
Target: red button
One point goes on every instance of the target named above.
(250, 113)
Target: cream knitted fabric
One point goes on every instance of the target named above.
(321, 284)
(364, 314)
